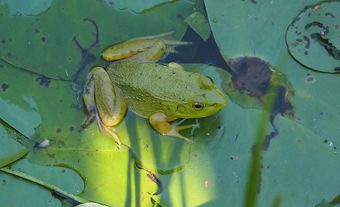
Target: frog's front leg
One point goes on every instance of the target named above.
(104, 101)
(160, 122)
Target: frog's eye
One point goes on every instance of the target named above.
(210, 78)
(198, 106)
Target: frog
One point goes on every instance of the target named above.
(161, 93)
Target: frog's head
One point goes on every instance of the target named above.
(207, 100)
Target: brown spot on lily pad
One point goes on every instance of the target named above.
(252, 82)
(251, 76)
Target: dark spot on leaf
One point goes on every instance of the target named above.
(180, 17)
(51, 155)
(329, 14)
(310, 79)
(9, 54)
(58, 130)
(71, 128)
(36, 30)
(305, 52)
(86, 56)
(325, 141)
(325, 43)
(319, 25)
(43, 39)
(251, 75)
(253, 1)
(4, 87)
(43, 80)
(3, 41)
(307, 41)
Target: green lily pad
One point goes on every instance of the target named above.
(27, 7)
(10, 149)
(84, 30)
(31, 194)
(26, 119)
(312, 37)
(253, 28)
(110, 174)
(135, 6)
(198, 22)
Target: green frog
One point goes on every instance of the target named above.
(160, 93)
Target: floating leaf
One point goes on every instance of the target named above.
(19, 118)
(27, 7)
(199, 24)
(10, 149)
(31, 193)
(135, 6)
(313, 37)
(84, 30)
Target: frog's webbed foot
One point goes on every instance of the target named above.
(112, 132)
(160, 122)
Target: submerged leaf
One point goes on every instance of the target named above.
(198, 22)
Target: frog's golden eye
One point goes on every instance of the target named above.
(198, 106)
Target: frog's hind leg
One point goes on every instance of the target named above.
(160, 122)
(157, 36)
(167, 40)
(89, 100)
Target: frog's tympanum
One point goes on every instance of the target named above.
(160, 93)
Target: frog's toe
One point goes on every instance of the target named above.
(174, 132)
(112, 132)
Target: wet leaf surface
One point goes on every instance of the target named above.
(61, 43)
(305, 143)
(313, 37)
(10, 150)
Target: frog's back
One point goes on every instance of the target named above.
(150, 87)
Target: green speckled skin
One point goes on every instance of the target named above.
(150, 88)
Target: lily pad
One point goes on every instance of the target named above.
(198, 22)
(84, 29)
(135, 6)
(10, 149)
(31, 194)
(27, 7)
(313, 37)
(23, 120)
